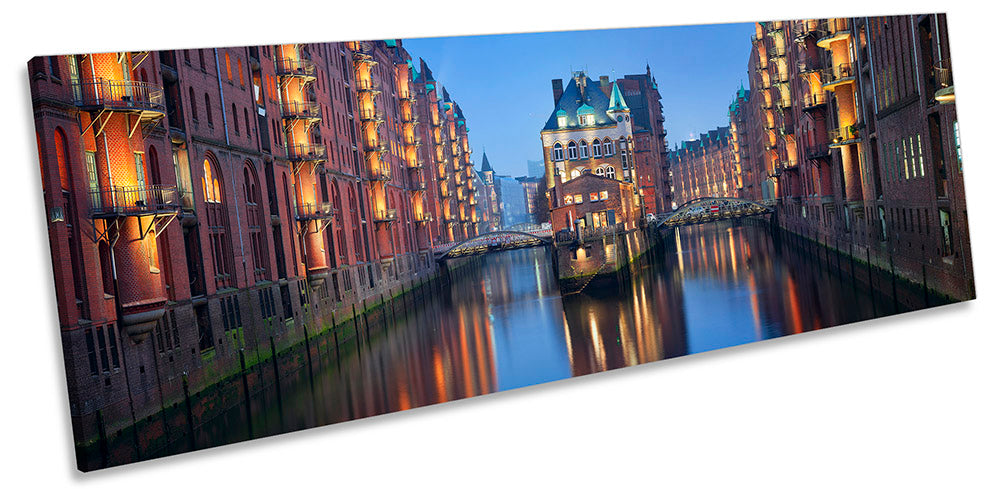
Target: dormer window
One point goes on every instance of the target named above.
(561, 118)
(585, 119)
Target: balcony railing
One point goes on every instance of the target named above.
(776, 52)
(845, 135)
(812, 64)
(382, 174)
(311, 211)
(945, 91)
(368, 86)
(116, 94)
(379, 147)
(371, 116)
(300, 110)
(295, 67)
(818, 151)
(832, 30)
(387, 215)
(134, 200)
(833, 75)
(306, 152)
(813, 102)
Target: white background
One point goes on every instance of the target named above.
(907, 404)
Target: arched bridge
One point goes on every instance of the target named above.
(497, 240)
(704, 210)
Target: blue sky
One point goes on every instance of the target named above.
(502, 82)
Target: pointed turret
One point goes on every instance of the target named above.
(616, 102)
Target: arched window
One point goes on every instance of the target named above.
(217, 222)
(596, 147)
(572, 151)
(609, 147)
(342, 246)
(583, 149)
(236, 121)
(208, 108)
(229, 68)
(557, 152)
(255, 223)
(600, 172)
(194, 104)
(575, 173)
(246, 120)
(610, 172)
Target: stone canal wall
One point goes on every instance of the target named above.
(915, 257)
(173, 368)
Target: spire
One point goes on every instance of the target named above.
(485, 166)
(615, 101)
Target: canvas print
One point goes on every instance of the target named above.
(253, 240)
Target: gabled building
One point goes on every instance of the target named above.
(590, 130)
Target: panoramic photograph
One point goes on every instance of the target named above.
(253, 240)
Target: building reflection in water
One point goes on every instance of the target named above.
(503, 324)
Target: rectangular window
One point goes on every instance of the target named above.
(603, 195)
(140, 170)
(90, 158)
(594, 197)
(578, 198)
(959, 151)
(103, 349)
(91, 354)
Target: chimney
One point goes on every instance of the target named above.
(604, 82)
(557, 91)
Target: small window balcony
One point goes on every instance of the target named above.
(300, 110)
(306, 152)
(119, 95)
(832, 77)
(119, 201)
(314, 211)
(300, 68)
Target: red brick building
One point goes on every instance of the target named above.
(704, 167)
(590, 202)
(207, 201)
(849, 129)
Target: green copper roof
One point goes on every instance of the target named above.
(390, 42)
(561, 113)
(616, 102)
(429, 86)
(585, 109)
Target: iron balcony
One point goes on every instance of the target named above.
(311, 211)
(306, 152)
(140, 200)
(301, 110)
(288, 67)
(814, 102)
(118, 95)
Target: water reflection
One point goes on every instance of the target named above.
(502, 324)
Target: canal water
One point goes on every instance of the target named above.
(502, 324)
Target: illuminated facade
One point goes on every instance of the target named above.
(704, 167)
(206, 202)
(849, 129)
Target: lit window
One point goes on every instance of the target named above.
(557, 152)
(603, 195)
(594, 197)
(561, 120)
(578, 198)
(568, 199)
(575, 173)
